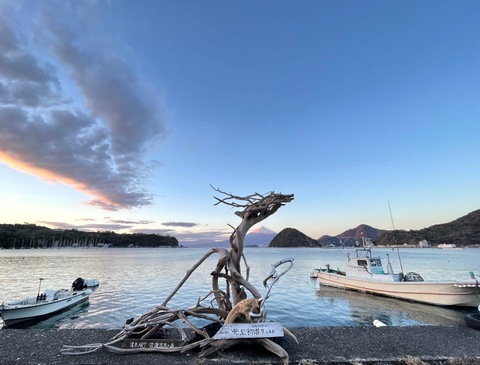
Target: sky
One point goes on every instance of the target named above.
(122, 115)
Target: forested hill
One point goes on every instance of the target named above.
(291, 237)
(33, 236)
(464, 231)
(351, 236)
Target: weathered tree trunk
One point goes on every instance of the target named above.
(257, 207)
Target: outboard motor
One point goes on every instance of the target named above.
(78, 284)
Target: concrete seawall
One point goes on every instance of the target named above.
(325, 345)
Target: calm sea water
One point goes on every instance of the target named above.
(133, 281)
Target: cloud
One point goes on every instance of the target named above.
(86, 227)
(179, 224)
(212, 236)
(122, 221)
(107, 224)
(72, 109)
(18, 65)
(206, 236)
(163, 232)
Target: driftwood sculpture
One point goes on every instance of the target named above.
(167, 330)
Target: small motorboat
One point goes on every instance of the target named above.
(46, 303)
(472, 320)
(366, 273)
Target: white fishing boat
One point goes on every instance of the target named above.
(366, 273)
(449, 246)
(46, 303)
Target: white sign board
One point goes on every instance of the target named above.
(249, 330)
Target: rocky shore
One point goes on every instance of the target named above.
(325, 345)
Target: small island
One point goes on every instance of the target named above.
(291, 237)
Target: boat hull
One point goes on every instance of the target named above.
(464, 294)
(16, 314)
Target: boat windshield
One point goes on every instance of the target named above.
(375, 262)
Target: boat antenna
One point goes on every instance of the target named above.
(396, 243)
(391, 216)
(39, 285)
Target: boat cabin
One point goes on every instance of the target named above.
(366, 266)
(373, 265)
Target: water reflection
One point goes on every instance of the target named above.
(362, 309)
(133, 281)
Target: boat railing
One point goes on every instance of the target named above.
(363, 252)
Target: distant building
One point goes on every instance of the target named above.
(423, 243)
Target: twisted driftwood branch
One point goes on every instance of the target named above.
(153, 324)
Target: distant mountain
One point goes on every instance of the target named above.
(261, 230)
(291, 237)
(364, 230)
(205, 244)
(349, 237)
(463, 231)
(261, 236)
(327, 240)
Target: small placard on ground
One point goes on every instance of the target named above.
(158, 345)
(249, 330)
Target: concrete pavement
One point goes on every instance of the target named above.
(322, 345)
